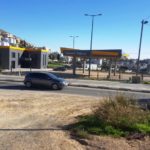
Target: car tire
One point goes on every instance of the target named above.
(28, 84)
(55, 86)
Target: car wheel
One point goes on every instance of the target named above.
(28, 84)
(55, 86)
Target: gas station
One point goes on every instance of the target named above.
(109, 54)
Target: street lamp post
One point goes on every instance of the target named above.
(73, 37)
(74, 58)
(141, 35)
(91, 42)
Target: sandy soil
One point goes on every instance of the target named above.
(35, 120)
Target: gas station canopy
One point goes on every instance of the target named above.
(109, 53)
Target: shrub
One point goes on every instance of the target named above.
(121, 112)
(146, 82)
(118, 116)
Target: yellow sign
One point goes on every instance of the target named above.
(102, 53)
(23, 49)
(114, 53)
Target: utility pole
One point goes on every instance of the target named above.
(141, 35)
(91, 42)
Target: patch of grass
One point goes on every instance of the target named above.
(143, 128)
(81, 134)
(56, 64)
(92, 125)
(117, 117)
(146, 82)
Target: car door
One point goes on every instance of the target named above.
(35, 78)
(44, 80)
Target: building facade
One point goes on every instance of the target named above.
(15, 57)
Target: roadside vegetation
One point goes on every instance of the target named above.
(146, 82)
(55, 64)
(118, 117)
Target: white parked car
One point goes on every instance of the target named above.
(93, 67)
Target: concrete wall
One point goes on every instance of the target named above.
(44, 60)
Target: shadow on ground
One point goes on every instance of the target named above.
(22, 87)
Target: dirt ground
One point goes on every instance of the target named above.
(103, 75)
(35, 120)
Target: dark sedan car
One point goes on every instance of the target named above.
(45, 80)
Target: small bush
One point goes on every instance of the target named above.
(146, 82)
(121, 112)
(120, 116)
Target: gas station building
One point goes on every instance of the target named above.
(16, 57)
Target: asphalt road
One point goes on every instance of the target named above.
(75, 90)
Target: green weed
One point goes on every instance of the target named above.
(119, 116)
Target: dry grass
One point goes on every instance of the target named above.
(122, 112)
(44, 113)
(46, 110)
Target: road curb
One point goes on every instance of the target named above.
(110, 88)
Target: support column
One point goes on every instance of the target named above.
(84, 63)
(74, 65)
(98, 63)
(110, 66)
(115, 67)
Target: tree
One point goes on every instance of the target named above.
(51, 56)
(54, 56)
(58, 56)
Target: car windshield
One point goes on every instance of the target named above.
(52, 76)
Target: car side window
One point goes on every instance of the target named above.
(39, 76)
(34, 75)
(43, 76)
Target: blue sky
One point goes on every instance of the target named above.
(50, 23)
